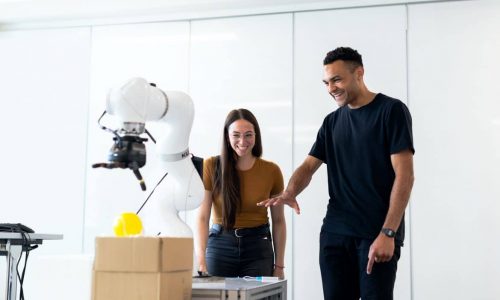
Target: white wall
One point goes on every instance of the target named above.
(44, 91)
(55, 81)
(453, 86)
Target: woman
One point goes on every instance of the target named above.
(239, 242)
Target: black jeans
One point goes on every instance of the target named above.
(343, 261)
(240, 252)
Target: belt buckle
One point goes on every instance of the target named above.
(236, 233)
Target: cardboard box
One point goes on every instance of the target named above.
(143, 254)
(143, 286)
(137, 268)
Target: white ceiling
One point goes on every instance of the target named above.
(43, 11)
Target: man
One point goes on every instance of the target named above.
(367, 146)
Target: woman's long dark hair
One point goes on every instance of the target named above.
(226, 179)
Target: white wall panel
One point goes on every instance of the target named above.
(379, 35)
(70, 277)
(453, 71)
(44, 77)
(244, 63)
(159, 53)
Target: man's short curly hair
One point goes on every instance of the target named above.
(346, 54)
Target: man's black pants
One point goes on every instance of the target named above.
(343, 261)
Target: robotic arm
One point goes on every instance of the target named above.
(136, 103)
(133, 105)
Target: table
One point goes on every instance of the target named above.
(12, 244)
(237, 289)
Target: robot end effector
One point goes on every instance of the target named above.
(133, 104)
(127, 152)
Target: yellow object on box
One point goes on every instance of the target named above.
(127, 224)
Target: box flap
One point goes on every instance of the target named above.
(177, 254)
(143, 254)
(138, 254)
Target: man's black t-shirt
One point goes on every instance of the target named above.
(356, 145)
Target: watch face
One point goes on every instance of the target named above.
(389, 232)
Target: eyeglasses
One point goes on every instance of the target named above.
(238, 136)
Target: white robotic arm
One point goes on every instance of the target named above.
(134, 104)
(137, 101)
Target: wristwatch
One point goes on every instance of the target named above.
(388, 232)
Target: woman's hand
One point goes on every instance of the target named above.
(279, 272)
(202, 265)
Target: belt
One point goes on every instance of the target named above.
(242, 232)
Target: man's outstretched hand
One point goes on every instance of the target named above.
(283, 198)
